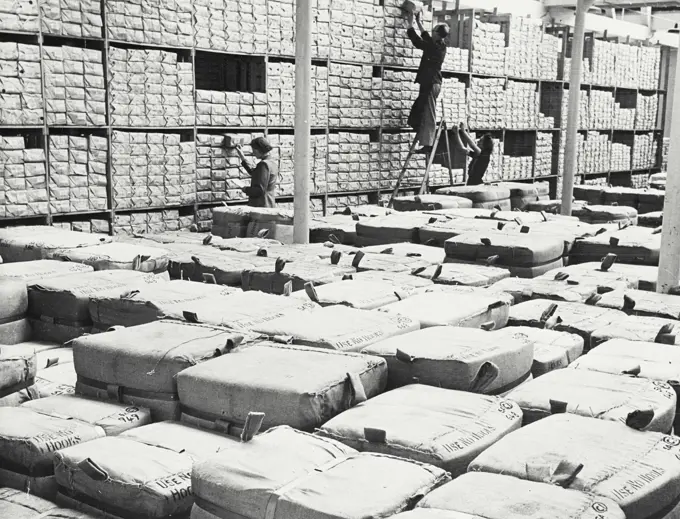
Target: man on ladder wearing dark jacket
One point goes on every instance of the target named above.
(423, 116)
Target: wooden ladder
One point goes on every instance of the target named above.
(424, 186)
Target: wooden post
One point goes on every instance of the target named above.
(570, 152)
(669, 258)
(303, 96)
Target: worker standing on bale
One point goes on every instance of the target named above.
(263, 177)
(423, 116)
(480, 152)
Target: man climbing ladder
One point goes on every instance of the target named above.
(423, 116)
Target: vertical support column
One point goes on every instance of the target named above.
(669, 260)
(303, 96)
(570, 152)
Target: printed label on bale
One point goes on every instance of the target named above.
(129, 415)
(176, 487)
(51, 442)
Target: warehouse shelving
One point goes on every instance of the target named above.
(190, 54)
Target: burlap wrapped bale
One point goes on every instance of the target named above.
(144, 472)
(215, 266)
(139, 365)
(635, 245)
(659, 362)
(34, 271)
(600, 395)
(643, 359)
(651, 200)
(177, 237)
(300, 387)
(395, 228)
(307, 251)
(593, 195)
(56, 374)
(340, 228)
(275, 223)
(29, 437)
(653, 219)
(484, 196)
(16, 504)
(636, 328)
(246, 310)
(551, 206)
(303, 477)
(477, 495)
(41, 359)
(638, 470)
(430, 202)
(243, 245)
(118, 256)
(456, 358)
(15, 332)
(276, 458)
(568, 231)
(338, 327)
(543, 288)
(525, 255)
(609, 277)
(436, 233)
(606, 214)
(385, 261)
(274, 278)
(230, 222)
(638, 302)
(576, 318)
(464, 274)
(432, 425)
(467, 213)
(363, 295)
(367, 210)
(399, 280)
(525, 218)
(521, 195)
(625, 196)
(552, 349)
(17, 370)
(59, 307)
(432, 255)
(150, 302)
(14, 295)
(28, 243)
(456, 306)
(292, 253)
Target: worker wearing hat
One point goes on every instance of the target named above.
(423, 116)
(263, 177)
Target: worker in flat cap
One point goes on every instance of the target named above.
(263, 177)
(423, 116)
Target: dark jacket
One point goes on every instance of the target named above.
(263, 180)
(430, 69)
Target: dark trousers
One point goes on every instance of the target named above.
(475, 179)
(423, 116)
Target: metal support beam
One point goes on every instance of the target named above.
(570, 152)
(303, 97)
(669, 259)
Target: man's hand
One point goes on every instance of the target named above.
(419, 21)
